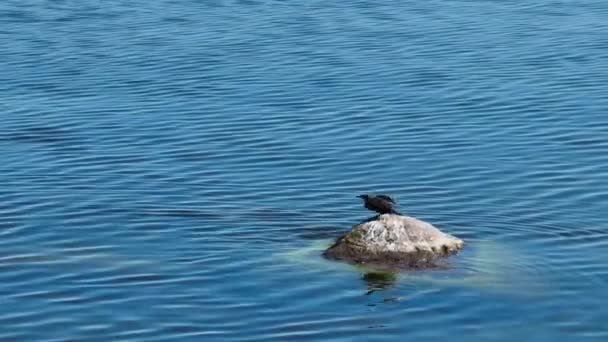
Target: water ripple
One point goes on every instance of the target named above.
(172, 169)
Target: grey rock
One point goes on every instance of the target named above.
(394, 240)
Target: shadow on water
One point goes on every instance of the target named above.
(59, 139)
(329, 231)
(181, 213)
(43, 135)
(320, 232)
(202, 212)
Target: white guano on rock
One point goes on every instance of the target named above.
(394, 240)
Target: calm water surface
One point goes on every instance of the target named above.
(171, 169)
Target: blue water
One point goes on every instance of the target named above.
(171, 170)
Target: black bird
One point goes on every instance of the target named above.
(382, 204)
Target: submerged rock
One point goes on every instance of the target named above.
(394, 241)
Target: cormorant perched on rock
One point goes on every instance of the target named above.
(393, 241)
(381, 204)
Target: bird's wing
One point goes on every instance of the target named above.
(386, 198)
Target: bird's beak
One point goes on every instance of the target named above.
(361, 196)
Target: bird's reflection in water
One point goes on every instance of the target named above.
(379, 280)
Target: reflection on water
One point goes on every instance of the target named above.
(378, 280)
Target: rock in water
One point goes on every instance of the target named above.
(394, 241)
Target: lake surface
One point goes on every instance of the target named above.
(171, 170)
